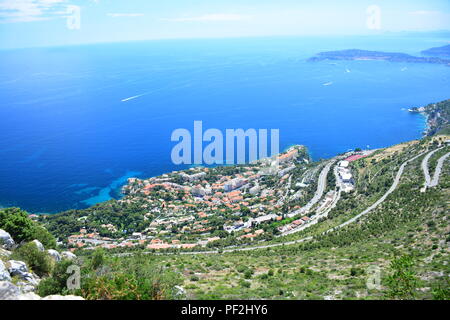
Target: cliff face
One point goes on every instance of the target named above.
(438, 115)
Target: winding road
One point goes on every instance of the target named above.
(424, 165)
(319, 193)
(433, 182)
(321, 185)
(382, 199)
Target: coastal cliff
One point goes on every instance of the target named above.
(437, 117)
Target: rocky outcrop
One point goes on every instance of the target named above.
(39, 245)
(4, 253)
(58, 297)
(25, 282)
(6, 241)
(19, 269)
(68, 255)
(34, 296)
(9, 291)
(4, 274)
(54, 255)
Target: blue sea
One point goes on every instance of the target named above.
(70, 136)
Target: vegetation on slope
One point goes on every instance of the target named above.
(404, 242)
(17, 223)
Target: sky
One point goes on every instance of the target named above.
(31, 23)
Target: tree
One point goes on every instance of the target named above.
(17, 223)
(22, 228)
(45, 237)
(402, 281)
(98, 259)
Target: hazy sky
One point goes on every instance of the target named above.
(25, 23)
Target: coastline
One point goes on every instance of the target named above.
(436, 117)
(116, 187)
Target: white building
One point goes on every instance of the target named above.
(234, 184)
(261, 219)
(344, 164)
(346, 177)
(193, 177)
(255, 190)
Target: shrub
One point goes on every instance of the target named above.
(194, 278)
(45, 237)
(22, 228)
(121, 286)
(441, 291)
(248, 274)
(354, 272)
(17, 223)
(97, 259)
(241, 268)
(47, 287)
(57, 282)
(402, 282)
(39, 261)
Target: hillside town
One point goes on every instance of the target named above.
(200, 207)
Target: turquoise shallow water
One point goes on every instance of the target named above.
(70, 135)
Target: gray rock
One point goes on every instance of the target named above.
(28, 296)
(25, 287)
(68, 255)
(6, 241)
(17, 268)
(4, 274)
(39, 245)
(180, 291)
(54, 254)
(31, 278)
(8, 291)
(34, 296)
(5, 253)
(57, 297)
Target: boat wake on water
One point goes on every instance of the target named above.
(133, 97)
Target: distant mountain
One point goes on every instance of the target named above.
(356, 54)
(443, 51)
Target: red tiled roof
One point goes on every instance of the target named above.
(355, 157)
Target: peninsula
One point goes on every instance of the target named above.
(443, 51)
(356, 54)
(437, 117)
